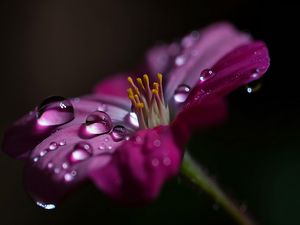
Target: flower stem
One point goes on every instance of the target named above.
(196, 175)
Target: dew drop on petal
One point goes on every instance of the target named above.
(180, 60)
(206, 74)
(98, 123)
(102, 108)
(46, 206)
(167, 161)
(65, 165)
(57, 170)
(53, 146)
(155, 162)
(35, 159)
(181, 93)
(50, 165)
(132, 119)
(156, 143)
(62, 142)
(82, 151)
(55, 110)
(119, 133)
(43, 153)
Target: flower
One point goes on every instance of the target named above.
(128, 137)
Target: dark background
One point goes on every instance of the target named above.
(65, 47)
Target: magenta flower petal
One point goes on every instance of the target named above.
(115, 85)
(22, 137)
(239, 67)
(140, 166)
(199, 116)
(62, 161)
(201, 50)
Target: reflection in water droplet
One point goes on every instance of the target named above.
(46, 206)
(132, 119)
(55, 111)
(82, 151)
(181, 93)
(206, 74)
(102, 108)
(53, 146)
(119, 133)
(98, 123)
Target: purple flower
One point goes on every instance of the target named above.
(128, 137)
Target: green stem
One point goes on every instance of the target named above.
(196, 175)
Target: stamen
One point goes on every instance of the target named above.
(148, 103)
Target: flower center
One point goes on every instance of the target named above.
(148, 103)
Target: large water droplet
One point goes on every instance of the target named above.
(46, 206)
(53, 146)
(181, 93)
(98, 123)
(82, 151)
(206, 74)
(132, 119)
(55, 111)
(119, 133)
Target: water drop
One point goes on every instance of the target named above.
(62, 142)
(119, 133)
(180, 60)
(68, 177)
(82, 151)
(156, 143)
(253, 87)
(50, 165)
(181, 93)
(43, 152)
(55, 111)
(35, 159)
(167, 161)
(155, 162)
(65, 165)
(132, 119)
(102, 108)
(98, 123)
(57, 170)
(46, 206)
(53, 146)
(206, 74)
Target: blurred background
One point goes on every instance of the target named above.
(64, 47)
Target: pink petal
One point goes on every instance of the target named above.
(140, 166)
(239, 67)
(115, 85)
(22, 137)
(200, 51)
(199, 116)
(62, 162)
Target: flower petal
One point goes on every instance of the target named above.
(21, 138)
(115, 85)
(140, 166)
(239, 67)
(200, 51)
(199, 116)
(62, 161)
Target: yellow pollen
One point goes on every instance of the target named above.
(148, 103)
